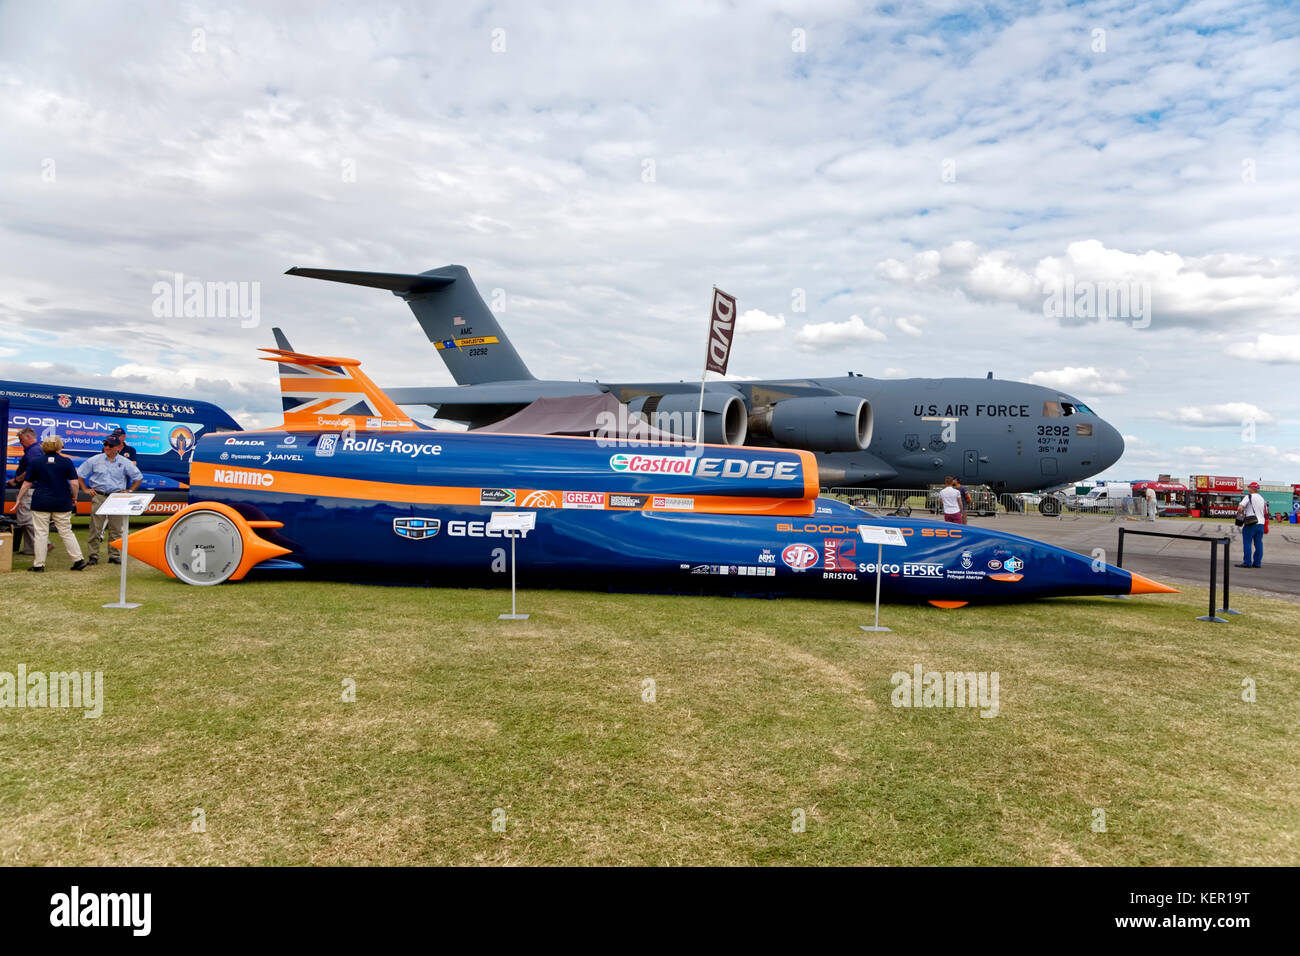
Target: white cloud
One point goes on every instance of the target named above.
(825, 335)
(756, 321)
(1081, 381)
(910, 325)
(1212, 416)
(1274, 349)
(1174, 289)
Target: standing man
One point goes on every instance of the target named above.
(1254, 510)
(23, 506)
(963, 499)
(127, 451)
(101, 476)
(1151, 503)
(950, 498)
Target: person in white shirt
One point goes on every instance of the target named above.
(950, 497)
(1252, 532)
(1151, 503)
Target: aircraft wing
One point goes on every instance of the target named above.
(495, 393)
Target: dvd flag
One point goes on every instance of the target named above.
(721, 325)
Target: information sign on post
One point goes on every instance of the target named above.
(124, 504)
(512, 524)
(880, 537)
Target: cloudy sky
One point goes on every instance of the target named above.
(909, 189)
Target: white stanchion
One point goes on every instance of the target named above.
(512, 523)
(125, 504)
(880, 537)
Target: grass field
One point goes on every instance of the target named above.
(229, 699)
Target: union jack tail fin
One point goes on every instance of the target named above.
(322, 393)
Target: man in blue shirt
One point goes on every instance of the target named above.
(101, 476)
(23, 506)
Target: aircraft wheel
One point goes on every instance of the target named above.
(1049, 506)
(204, 547)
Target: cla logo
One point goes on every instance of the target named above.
(65, 401)
(800, 556)
(417, 529)
(1013, 564)
(967, 559)
(325, 447)
(539, 499)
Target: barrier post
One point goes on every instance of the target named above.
(1214, 581)
(1227, 564)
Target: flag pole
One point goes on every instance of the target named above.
(699, 415)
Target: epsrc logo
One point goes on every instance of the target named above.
(800, 556)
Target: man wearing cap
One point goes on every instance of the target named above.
(1253, 506)
(127, 451)
(101, 476)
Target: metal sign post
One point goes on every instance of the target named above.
(512, 521)
(124, 503)
(880, 537)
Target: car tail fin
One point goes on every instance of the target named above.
(453, 315)
(323, 393)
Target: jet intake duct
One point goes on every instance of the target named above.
(830, 423)
(724, 415)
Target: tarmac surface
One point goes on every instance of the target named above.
(1169, 560)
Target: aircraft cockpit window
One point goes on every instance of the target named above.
(1083, 431)
(1083, 409)
(1051, 410)
(1067, 408)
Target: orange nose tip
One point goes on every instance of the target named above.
(1143, 585)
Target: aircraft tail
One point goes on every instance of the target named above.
(321, 392)
(453, 315)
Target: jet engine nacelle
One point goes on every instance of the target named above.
(724, 415)
(829, 423)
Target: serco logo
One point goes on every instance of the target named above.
(801, 557)
(653, 464)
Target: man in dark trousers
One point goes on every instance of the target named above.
(101, 476)
(22, 507)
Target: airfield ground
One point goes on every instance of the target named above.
(228, 699)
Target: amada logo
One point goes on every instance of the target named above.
(653, 464)
(801, 557)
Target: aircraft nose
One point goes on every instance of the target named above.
(1110, 446)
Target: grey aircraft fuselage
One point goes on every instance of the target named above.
(865, 432)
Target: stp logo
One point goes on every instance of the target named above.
(801, 557)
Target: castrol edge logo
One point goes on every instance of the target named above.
(653, 464)
(706, 467)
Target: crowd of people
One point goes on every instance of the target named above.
(48, 483)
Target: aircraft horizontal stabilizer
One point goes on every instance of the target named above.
(402, 283)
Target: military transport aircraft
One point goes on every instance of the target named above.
(865, 432)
